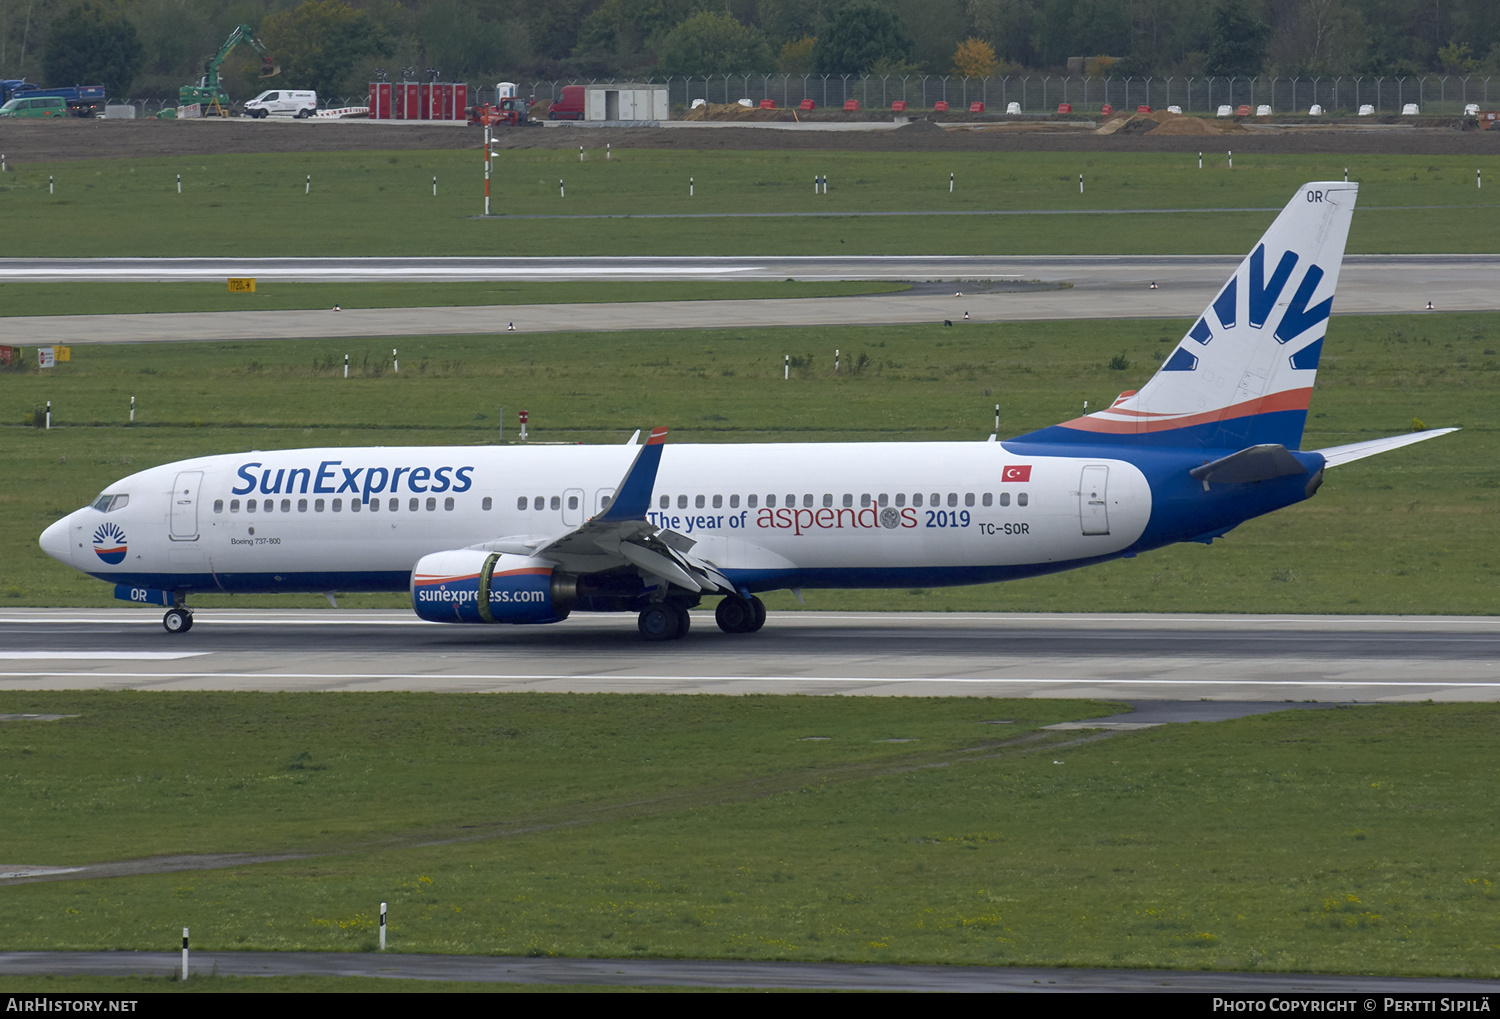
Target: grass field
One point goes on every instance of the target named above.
(1353, 840)
(1412, 531)
(130, 298)
(374, 203)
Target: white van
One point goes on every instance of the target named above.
(283, 103)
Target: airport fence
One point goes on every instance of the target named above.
(1038, 94)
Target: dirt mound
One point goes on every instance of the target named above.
(1161, 123)
(921, 126)
(734, 111)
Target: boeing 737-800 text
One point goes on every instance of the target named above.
(529, 534)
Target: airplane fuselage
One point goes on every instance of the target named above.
(769, 516)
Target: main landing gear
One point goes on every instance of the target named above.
(665, 621)
(179, 619)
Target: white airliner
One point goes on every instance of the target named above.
(527, 535)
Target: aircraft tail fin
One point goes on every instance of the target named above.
(1243, 374)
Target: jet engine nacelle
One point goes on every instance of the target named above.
(470, 586)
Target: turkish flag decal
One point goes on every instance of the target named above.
(1016, 473)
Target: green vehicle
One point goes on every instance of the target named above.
(40, 106)
(208, 92)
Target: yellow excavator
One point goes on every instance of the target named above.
(208, 92)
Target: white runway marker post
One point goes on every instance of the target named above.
(434, 187)
(997, 419)
(690, 187)
(184, 953)
(561, 192)
(309, 185)
(132, 410)
(49, 404)
(1231, 159)
(49, 184)
(346, 366)
(395, 364)
(1200, 160)
(382, 927)
(1080, 183)
(950, 183)
(179, 183)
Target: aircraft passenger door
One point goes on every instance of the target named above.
(573, 507)
(185, 506)
(1093, 511)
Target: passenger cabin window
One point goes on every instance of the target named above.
(520, 503)
(916, 499)
(286, 505)
(987, 498)
(301, 505)
(448, 503)
(718, 502)
(900, 498)
(318, 506)
(682, 502)
(249, 505)
(485, 505)
(751, 500)
(1005, 498)
(572, 502)
(1021, 499)
(432, 503)
(770, 501)
(395, 504)
(698, 502)
(557, 502)
(412, 506)
(734, 501)
(537, 504)
(355, 505)
(665, 502)
(952, 498)
(338, 505)
(218, 505)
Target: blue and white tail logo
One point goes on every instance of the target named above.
(1244, 372)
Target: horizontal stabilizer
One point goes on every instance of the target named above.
(1336, 455)
(1255, 463)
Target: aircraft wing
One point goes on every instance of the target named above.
(622, 536)
(1337, 455)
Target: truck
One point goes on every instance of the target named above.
(81, 100)
(569, 105)
(207, 92)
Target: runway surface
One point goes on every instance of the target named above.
(1096, 287)
(1110, 657)
(719, 973)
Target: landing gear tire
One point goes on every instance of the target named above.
(759, 608)
(178, 620)
(740, 615)
(662, 622)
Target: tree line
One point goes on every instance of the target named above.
(148, 48)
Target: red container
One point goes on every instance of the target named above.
(1064, 107)
(768, 104)
(1107, 110)
(807, 104)
(380, 100)
(1243, 111)
(899, 106)
(850, 105)
(941, 106)
(411, 103)
(1143, 109)
(976, 107)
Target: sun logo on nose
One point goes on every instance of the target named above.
(109, 544)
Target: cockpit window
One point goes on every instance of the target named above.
(107, 502)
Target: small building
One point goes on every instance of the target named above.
(626, 101)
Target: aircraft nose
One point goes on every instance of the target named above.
(57, 541)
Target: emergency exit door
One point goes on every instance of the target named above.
(1093, 509)
(185, 506)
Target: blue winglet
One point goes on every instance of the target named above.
(633, 496)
